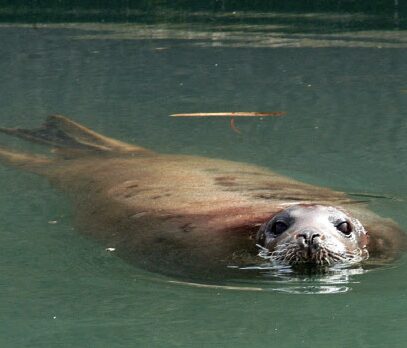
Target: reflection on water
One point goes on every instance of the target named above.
(285, 280)
(248, 36)
(232, 35)
(328, 280)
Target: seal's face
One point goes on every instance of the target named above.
(315, 235)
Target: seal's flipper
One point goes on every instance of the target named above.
(23, 160)
(68, 136)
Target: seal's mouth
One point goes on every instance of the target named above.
(292, 254)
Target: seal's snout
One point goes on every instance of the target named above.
(309, 239)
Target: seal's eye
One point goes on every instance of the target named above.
(345, 227)
(278, 227)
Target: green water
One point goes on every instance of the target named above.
(345, 95)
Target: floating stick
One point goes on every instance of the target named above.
(232, 115)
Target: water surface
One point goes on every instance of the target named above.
(345, 95)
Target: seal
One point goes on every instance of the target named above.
(191, 216)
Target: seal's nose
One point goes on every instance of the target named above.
(308, 238)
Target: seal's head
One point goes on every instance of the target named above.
(313, 235)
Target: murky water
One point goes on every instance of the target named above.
(345, 95)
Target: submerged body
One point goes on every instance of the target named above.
(195, 217)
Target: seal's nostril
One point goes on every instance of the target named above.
(303, 238)
(316, 235)
(315, 240)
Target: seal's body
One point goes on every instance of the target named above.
(195, 216)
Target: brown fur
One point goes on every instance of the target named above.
(182, 215)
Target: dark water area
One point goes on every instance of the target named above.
(338, 73)
(321, 16)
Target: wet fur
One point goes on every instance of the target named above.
(176, 214)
